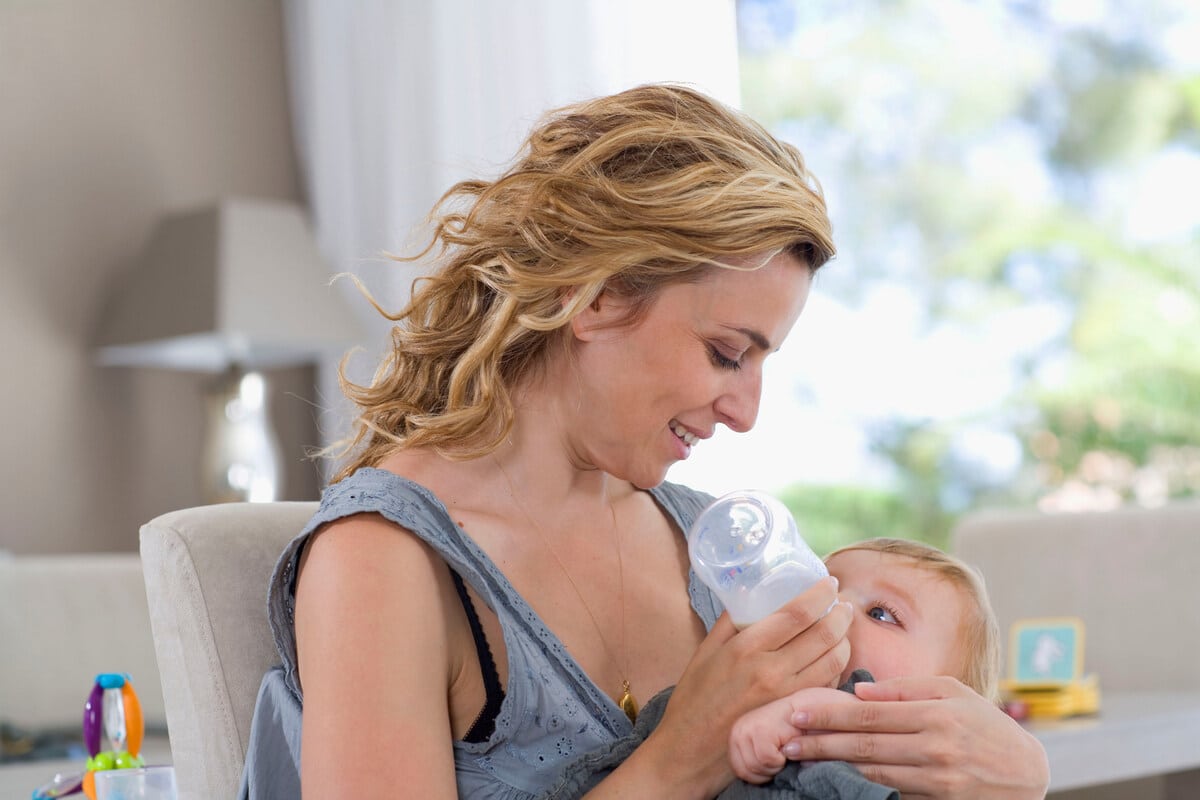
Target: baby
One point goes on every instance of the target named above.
(918, 612)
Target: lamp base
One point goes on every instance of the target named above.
(242, 459)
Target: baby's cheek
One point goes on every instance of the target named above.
(884, 663)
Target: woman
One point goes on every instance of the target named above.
(500, 576)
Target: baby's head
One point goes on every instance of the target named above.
(918, 612)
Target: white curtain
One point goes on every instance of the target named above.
(395, 100)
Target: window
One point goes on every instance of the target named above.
(1014, 314)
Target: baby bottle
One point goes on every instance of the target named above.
(745, 547)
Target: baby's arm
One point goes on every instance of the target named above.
(757, 739)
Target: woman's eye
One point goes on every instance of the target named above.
(721, 360)
(882, 614)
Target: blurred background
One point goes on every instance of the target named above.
(1013, 318)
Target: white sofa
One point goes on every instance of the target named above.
(63, 620)
(1133, 576)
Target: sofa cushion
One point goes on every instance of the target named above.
(1130, 574)
(63, 620)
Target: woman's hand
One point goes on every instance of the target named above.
(732, 672)
(928, 737)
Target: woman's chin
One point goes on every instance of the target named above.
(647, 482)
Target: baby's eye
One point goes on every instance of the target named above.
(882, 614)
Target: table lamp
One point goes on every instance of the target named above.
(229, 289)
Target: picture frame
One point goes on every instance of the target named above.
(1046, 651)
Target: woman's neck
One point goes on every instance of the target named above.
(542, 457)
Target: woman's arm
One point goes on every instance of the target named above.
(929, 737)
(374, 661)
(687, 755)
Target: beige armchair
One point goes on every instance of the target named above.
(206, 571)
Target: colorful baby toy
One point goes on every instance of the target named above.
(113, 708)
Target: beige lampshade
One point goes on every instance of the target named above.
(239, 282)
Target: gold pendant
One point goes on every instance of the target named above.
(627, 703)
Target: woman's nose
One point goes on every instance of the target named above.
(737, 409)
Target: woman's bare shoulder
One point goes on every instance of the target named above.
(362, 547)
(356, 572)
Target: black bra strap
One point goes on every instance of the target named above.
(485, 723)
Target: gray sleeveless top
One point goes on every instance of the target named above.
(552, 712)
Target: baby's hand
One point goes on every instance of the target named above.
(758, 739)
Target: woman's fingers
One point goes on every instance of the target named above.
(859, 747)
(804, 642)
(866, 716)
(826, 670)
(732, 672)
(721, 632)
(879, 710)
(897, 760)
(930, 737)
(794, 617)
(925, 688)
(915, 783)
(819, 657)
(882, 732)
(816, 658)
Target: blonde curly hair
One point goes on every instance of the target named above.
(979, 634)
(626, 194)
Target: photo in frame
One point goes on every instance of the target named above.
(1046, 651)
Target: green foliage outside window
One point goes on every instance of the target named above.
(994, 157)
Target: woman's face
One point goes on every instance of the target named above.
(651, 391)
(907, 620)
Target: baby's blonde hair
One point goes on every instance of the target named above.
(625, 194)
(980, 632)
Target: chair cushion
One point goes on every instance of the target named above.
(206, 573)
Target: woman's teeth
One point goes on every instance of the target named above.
(688, 437)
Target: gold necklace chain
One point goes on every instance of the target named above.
(626, 702)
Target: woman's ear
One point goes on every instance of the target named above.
(604, 313)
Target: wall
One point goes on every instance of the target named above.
(110, 115)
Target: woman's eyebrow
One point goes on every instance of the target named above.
(760, 341)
